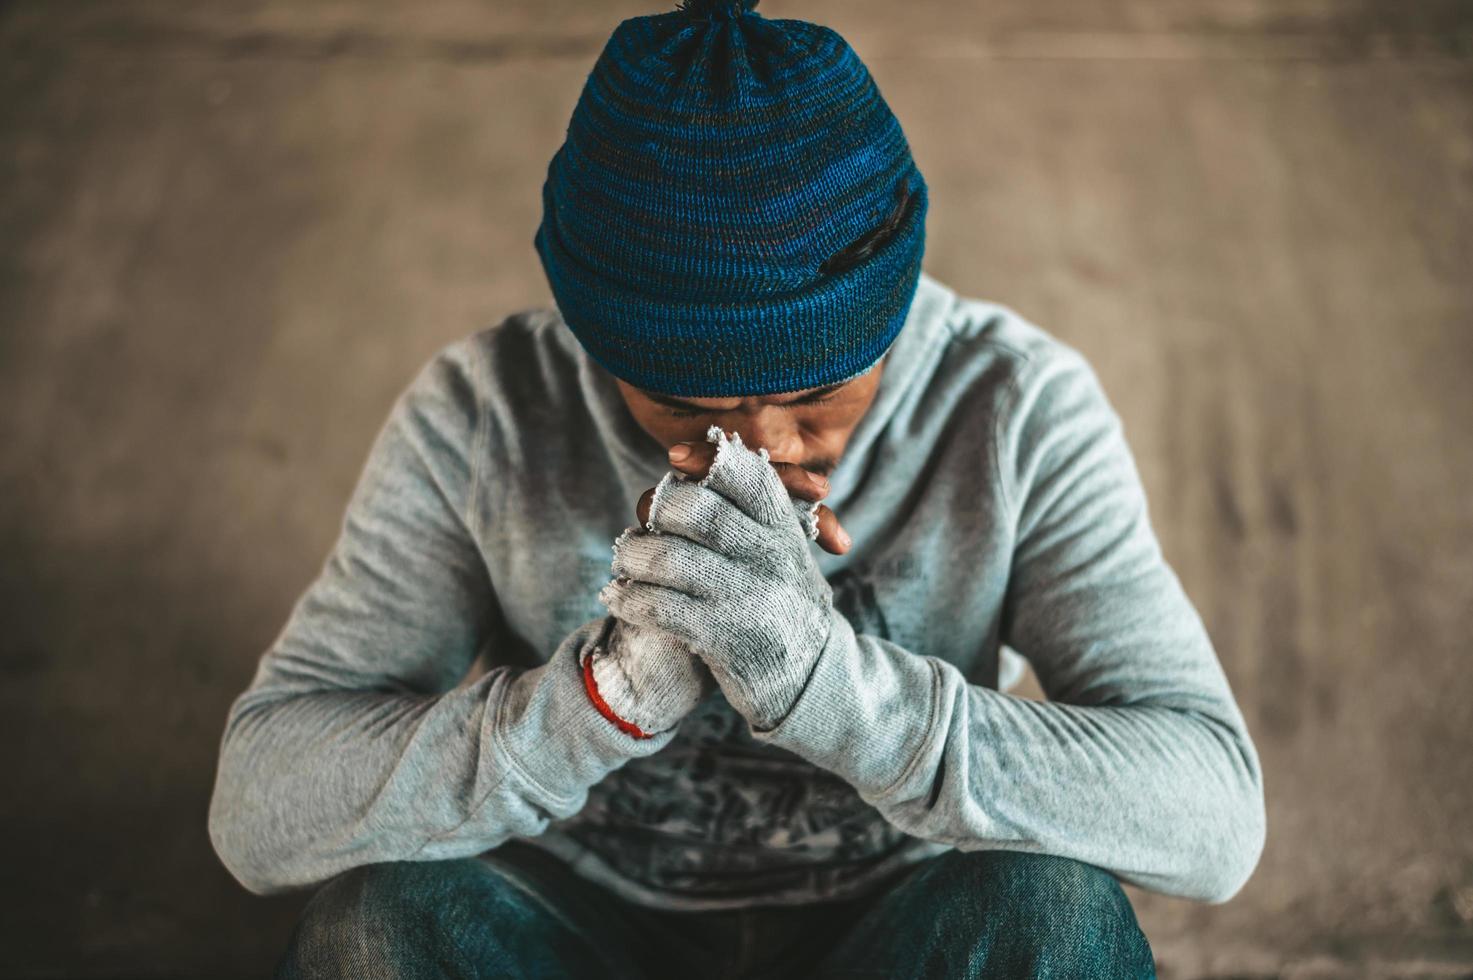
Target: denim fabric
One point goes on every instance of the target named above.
(518, 912)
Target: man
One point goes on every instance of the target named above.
(727, 752)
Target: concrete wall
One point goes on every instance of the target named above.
(231, 231)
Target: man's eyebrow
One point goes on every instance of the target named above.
(810, 396)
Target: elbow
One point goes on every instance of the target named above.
(245, 873)
(246, 837)
(232, 837)
(1234, 861)
(238, 832)
(1230, 824)
(257, 873)
(1239, 843)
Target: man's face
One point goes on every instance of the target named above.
(810, 427)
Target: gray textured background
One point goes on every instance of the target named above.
(230, 232)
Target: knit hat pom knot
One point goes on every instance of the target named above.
(716, 9)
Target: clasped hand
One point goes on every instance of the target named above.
(723, 564)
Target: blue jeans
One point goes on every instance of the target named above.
(524, 914)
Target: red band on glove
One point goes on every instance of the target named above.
(591, 687)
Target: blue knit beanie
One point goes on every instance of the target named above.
(735, 210)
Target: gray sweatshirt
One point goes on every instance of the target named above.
(996, 511)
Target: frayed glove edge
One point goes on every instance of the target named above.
(591, 687)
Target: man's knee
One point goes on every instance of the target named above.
(395, 919)
(1036, 885)
(1039, 912)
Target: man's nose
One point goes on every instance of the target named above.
(772, 428)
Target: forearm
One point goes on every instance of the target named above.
(1167, 796)
(311, 783)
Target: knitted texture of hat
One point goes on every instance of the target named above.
(735, 210)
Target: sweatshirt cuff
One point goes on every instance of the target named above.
(553, 736)
(866, 713)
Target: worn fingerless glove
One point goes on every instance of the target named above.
(644, 680)
(725, 565)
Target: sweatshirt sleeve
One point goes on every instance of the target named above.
(1139, 763)
(358, 741)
